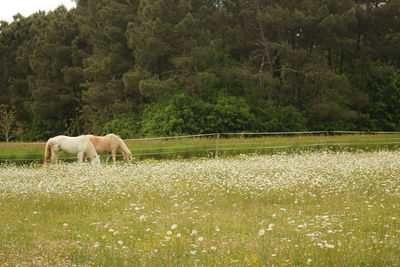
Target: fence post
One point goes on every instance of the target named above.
(217, 145)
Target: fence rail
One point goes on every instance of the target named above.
(216, 144)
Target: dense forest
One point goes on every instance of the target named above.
(169, 67)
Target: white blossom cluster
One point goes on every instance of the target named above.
(329, 172)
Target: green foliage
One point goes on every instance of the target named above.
(286, 119)
(230, 114)
(156, 88)
(384, 88)
(180, 115)
(201, 66)
(274, 118)
(42, 130)
(132, 80)
(183, 114)
(126, 125)
(331, 116)
(189, 115)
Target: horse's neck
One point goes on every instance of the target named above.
(90, 150)
(123, 146)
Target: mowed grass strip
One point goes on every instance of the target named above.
(317, 208)
(227, 145)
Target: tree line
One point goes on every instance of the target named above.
(168, 67)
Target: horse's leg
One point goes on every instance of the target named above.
(80, 157)
(114, 154)
(108, 157)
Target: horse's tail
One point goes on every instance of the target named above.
(47, 152)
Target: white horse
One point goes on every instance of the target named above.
(78, 144)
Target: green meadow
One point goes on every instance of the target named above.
(311, 208)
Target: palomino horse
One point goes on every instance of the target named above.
(78, 144)
(110, 143)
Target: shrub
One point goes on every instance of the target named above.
(274, 118)
(230, 114)
(182, 114)
(126, 125)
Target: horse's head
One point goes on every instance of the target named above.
(95, 160)
(127, 157)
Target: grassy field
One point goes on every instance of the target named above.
(206, 146)
(320, 208)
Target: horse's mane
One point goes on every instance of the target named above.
(124, 146)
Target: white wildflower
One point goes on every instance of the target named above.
(329, 245)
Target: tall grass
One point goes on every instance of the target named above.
(317, 208)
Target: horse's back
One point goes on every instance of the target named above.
(106, 143)
(71, 144)
(114, 139)
(113, 136)
(101, 143)
(58, 138)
